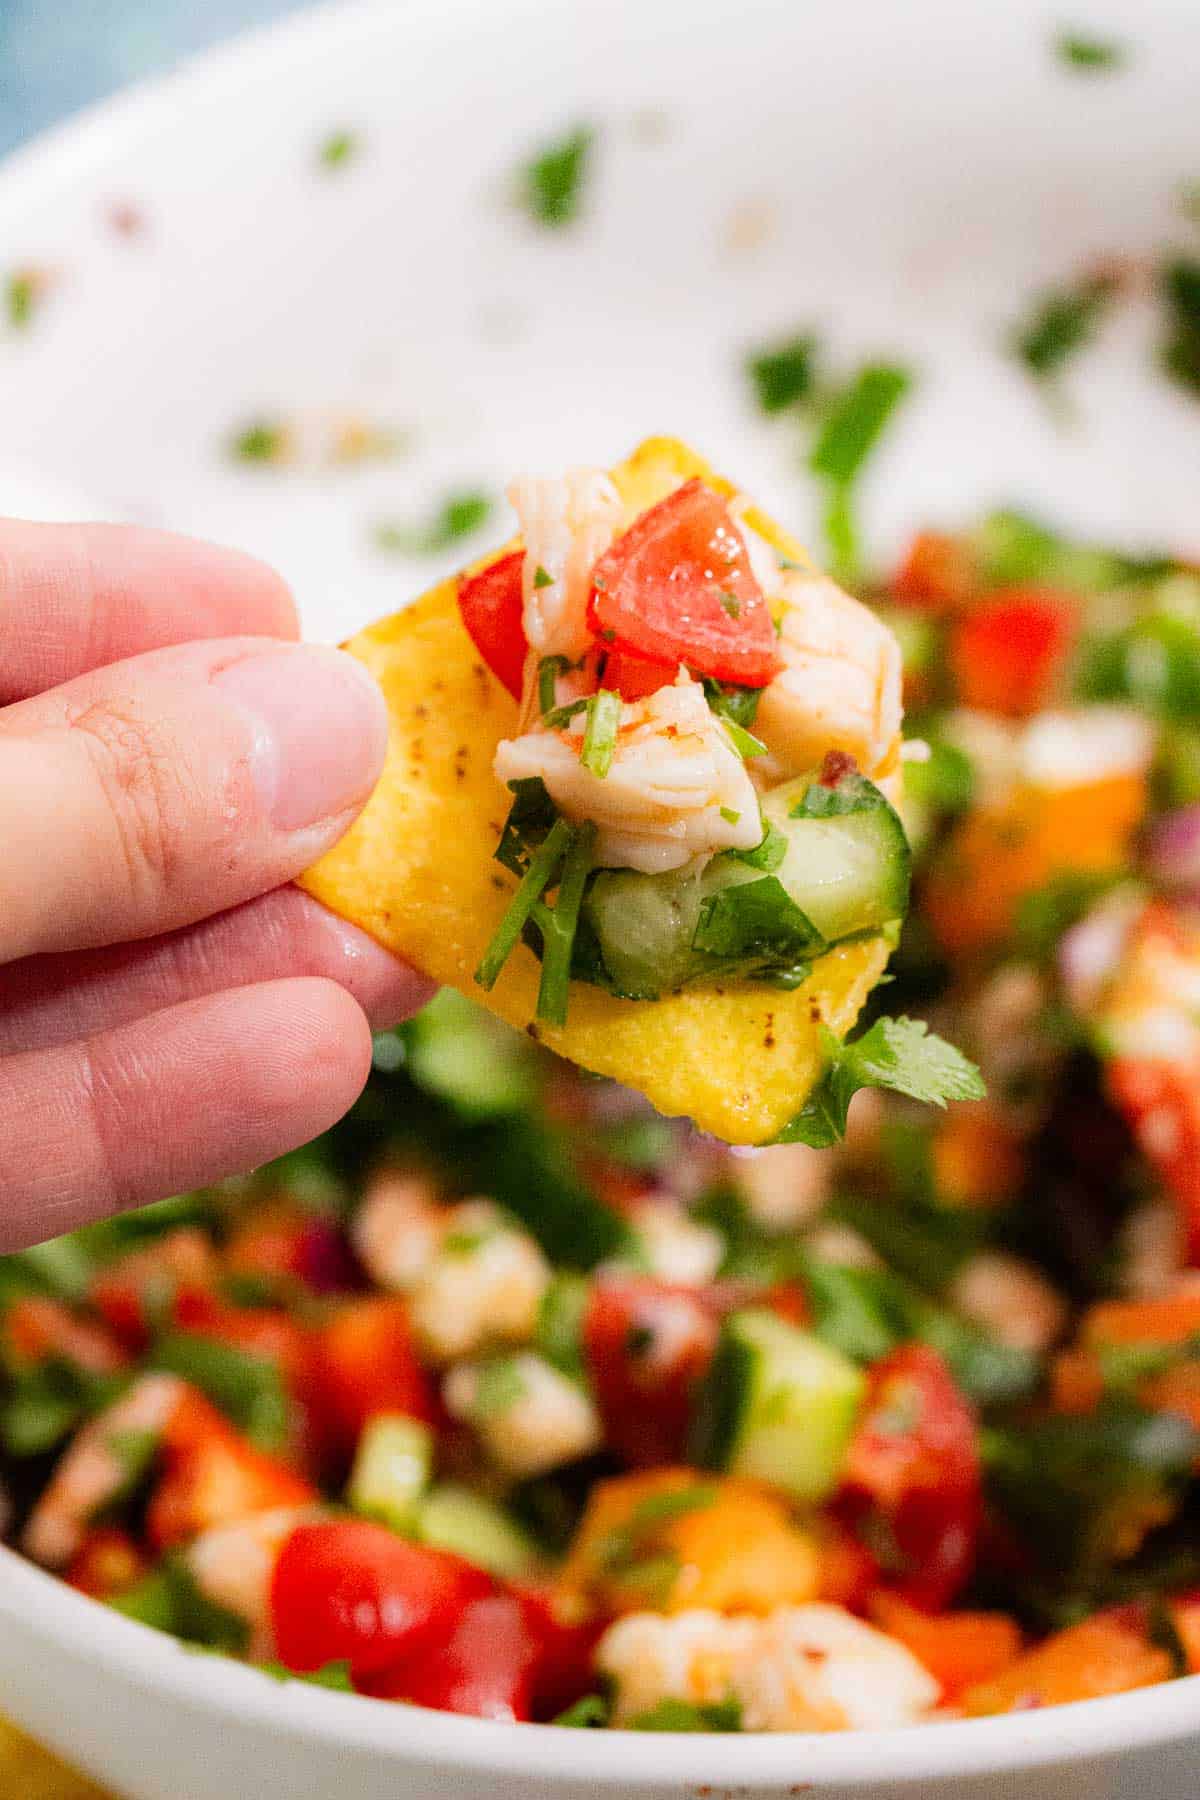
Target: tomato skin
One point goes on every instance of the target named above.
(1006, 654)
(1150, 1092)
(565, 1670)
(937, 574)
(913, 1470)
(365, 1362)
(658, 591)
(492, 608)
(484, 1669)
(647, 1343)
(347, 1589)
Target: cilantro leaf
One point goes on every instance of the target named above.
(552, 182)
(339, 148)
(1180, 283)
(782, 374)
(1090, 55)
(753, 919)
(854, 423)
(588, 1714)
(333, 1675)
(736, 704)
(1059, 324)
(898, 1054)
(249, 1389)
(261, 441)
(681, 1715)
(457, 516)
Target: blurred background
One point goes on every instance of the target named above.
(55, 59)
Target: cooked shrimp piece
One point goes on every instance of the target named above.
(232, 1566)
(840, 685)
(802, 1668)
(566, 523)
(1011, 1298)
(397, 1229)
(91, 1471)
(529, 1416)
(676, 787)
(482, 1288)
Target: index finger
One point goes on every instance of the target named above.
(74, 598)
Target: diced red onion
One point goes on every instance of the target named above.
(1173, 850)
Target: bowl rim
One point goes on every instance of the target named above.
(37, 1605)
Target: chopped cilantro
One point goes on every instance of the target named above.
(338, 149)
(1091, 55)
(755, 919)
(744, 742)
(730, 814)
(559, 717)
(23, 290)
(1189, 201)
(551, 183)
(730, 604)
(540, 871)
(558, 926)
(768, 854)
(262, 441)
(250, 1389)
(730, 702)
(44, 1402)
(1180, 283)
(681, 1715)
(458, 516)
(549, 670)
(782, 374)
(854, 422)
(530, 818)
(622, 1546)
(542, 578)
(1060, 323)
(600, 737)
(169, 1599)
(899, 1054)
(588, 1714)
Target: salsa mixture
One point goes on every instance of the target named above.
(512, 1398)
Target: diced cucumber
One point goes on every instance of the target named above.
(462, 1054)
(644, 925)
(459, 1519)
(391, 1469)
(847, 870)
(777, 1406)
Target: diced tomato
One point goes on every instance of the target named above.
(37, 1328)
(959, 1649)
(678, 587)
(485, 1668)
(848, 1573)
(1005, 656)
(787, 1300)
(636, 677)
(938, 573)
(282, 1242)
(1185, 1611)
(911, 1483)
(647, 1343)
(1161, 1101)
(564, 1671)
(349, 1590)
(106, 1563)
(1076, 1382)
(134, 1291)
(365, 1362)
(491, 605)
(213, 1476)
(1167, 1319)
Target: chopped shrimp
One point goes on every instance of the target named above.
(840, 686)
(676, 788)
(232, 1566)
(397, 1229)
(802, 1668)
(483, 1287)
(565, 525)
(547, 1419)
(1011, 1298)
(91, 1472)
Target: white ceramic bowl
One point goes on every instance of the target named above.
(917, 169)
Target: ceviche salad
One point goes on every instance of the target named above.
(514, 1398)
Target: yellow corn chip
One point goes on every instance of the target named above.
(417, 872)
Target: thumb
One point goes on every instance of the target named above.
(157, 791)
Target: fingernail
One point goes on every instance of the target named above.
(318, 730)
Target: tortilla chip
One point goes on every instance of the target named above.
(417, 872)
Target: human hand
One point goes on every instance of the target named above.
(170, 1011)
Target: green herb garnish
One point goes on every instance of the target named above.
(1059, 324)
(1180, 285)
(552, 182)
(249, 1389)
(338, 149)
(767, 855)
(333, 1675)
(23, 290)
(559, 925)
(739, 704)
(549, 670)
(743, 741)
(589, 1714)
(854, 423)
(458, 516)
(731, 606)
(542, 578)
(530, 818)
(902, 1055)
(262, 441)
(500, 1386)
(756, 919)
(600, 737)
(1091, 55)
(540, 871)
(730, 815)
(782, 374)
(681, 1715)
